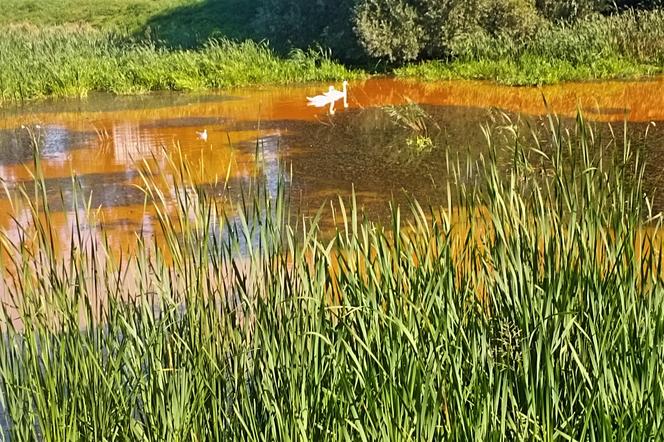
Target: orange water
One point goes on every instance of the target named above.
(103, 140)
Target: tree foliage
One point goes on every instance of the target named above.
(301, 24)
(409, 29)
(404, 30)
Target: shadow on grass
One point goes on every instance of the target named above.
(192, 25)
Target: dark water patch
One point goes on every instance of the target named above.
(365, 151)
(183, 122)
(95, 190)
(18, 145)
(607, 110)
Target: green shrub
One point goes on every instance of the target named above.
(638, 36)
(572, 10)
(403, 30)
(289, 24)
(518, 18)
(389, 29)
(626, 45)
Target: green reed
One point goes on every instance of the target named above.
(76, 60)
(531, 309)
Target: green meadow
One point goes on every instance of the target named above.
(178, 22)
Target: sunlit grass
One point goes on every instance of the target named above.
(530, 309)
(177, 22)
(74, 61)
(530, 71)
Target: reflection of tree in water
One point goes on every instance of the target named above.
(94, 189)
(364, 149)
(131, 143)
(15, 147)
(646, 140)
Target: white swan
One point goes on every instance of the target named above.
(202, 135)
(322, 100)
(338, 95)
(330, 97)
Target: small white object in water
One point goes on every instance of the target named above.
(202, 135)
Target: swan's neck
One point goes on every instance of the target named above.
(345, 95)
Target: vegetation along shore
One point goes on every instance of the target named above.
(56, 48)
(442, 261)
(543, 319)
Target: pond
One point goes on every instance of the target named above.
(104, 141)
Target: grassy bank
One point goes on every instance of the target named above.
(125, 48)
(134, 47)
(542, 319)
(73, 61)
(103, 14)
(530, 70)
(629, 45)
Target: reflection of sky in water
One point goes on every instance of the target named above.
(55, 140)
(270, 163)
(131, 143)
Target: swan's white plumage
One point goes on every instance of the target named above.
(336, 95)
(321, 100)
(330, 97)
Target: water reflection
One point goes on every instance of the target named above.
(130, 142)
(270, 133)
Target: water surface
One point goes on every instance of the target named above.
(104, 141)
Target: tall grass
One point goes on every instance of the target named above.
(74, 60)
(625, 45)
(532, 309)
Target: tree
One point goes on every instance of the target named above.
(403, 30)
(289, 24)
